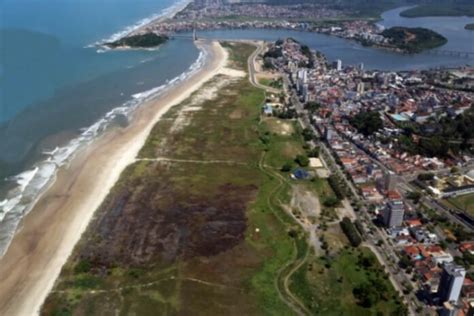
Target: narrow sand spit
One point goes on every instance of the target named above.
(31, 265)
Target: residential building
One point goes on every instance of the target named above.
(450, 285)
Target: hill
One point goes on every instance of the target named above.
(436, 9)
(414, 40)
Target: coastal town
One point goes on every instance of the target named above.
(220, 15)
(406, 200)
(238, 157)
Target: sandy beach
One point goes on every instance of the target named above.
(49, 232)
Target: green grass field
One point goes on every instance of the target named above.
(272, 83)
(464, 202)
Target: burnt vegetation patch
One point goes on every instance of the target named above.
(148, 221)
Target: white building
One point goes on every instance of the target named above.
(451, 282)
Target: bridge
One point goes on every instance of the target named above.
(454, 53)
(192, 36)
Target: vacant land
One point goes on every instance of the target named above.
(464, 202)
(345, 281)
(276, 83)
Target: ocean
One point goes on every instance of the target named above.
(59, 90)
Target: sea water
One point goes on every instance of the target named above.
(59, 89)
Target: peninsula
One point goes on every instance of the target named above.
(146, 40)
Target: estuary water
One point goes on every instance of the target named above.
(58, 91)
(353, 53)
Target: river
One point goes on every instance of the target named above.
(353, 53)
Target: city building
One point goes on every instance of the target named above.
(360, 88)
(393, 214)
(337, 65)
(450, 285)
(449, 309)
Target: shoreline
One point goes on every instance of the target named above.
(165, 14)
(48, 234)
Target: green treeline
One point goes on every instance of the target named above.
(441, 8)
(351, 232)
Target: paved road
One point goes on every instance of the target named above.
(253, 72)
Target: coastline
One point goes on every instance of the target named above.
(35, 179)
(50, 231)
(145, 23)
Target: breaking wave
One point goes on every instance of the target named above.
(30, 184)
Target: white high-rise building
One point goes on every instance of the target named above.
(337, 65)
(360, 88)
(451, 282)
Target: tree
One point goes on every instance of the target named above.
(302, 160)
(307, 134)
(336, 187)
(312, 106)
(331, 201)
(366, 295)
(405, 262)
(367, 123)
(366, 261)
(426, 176)
(314, 152)
(287, 166)
(350, 231)
(414, 196)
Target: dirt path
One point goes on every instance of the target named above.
(285, 293)
(164, 159)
